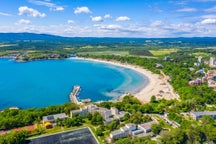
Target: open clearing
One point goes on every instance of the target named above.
(162, 52)
(122, 53)
(201, 54)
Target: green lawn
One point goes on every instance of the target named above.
(122, 53)
(7, 45)
(201, 54)
(206, 48)
(162, 52)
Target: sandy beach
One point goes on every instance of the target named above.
(157, 86)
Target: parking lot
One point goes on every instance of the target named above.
(79, 136)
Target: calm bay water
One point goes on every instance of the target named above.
(49, 82)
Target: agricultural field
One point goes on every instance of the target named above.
(203, 54)
(121, 53)
(162, 52)
(7, 45)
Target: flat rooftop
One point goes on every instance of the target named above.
(204, 113)
(116, 132)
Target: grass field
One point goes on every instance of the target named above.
(162, 52)
(7, 45)
(206, 48)
(201, 54)
(122, 53)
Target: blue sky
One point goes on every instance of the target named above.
(110, 18)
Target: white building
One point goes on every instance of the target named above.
(53, 118)
(137, 132)
(146, 127)
(131, 127)
(197, 115)
(117, 134)
(114, 111)
(211, 83)
(120, 114)
(92, 108)
(81, 111)
(199, 59)
(123, 131)
(196, 64)
(105, 113)
(212, 62)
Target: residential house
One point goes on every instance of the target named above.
(53, 118)
(49, 120)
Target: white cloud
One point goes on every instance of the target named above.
(23, 21)
(24, 10)
(70, 22)
(122, 18)
(156, 28)
(108, 27)
(210, 16)
(48, 4)
(187, 10)
(208, 21)
(106, 16)
(97, 19)
(157, 23)
(205, 0)
(4, 14)
(114, 30)
(212, 9)
(83, 9)
(59, 8)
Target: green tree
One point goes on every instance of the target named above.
(97, 119)
(153, 99)
(14, 137)
(99, 131)
(156, 128)
(89, 116)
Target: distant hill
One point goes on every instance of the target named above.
(28, 36)
(110, 42)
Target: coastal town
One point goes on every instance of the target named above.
(147, 115)
(153, 125)
(108, 72)
(133, 130)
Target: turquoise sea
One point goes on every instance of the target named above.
(49, 82)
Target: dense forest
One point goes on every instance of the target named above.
(12, 118)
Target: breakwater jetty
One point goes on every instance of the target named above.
(74, 94)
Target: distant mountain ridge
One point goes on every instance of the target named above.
(28, 36)
(34, 36)
(107, 41)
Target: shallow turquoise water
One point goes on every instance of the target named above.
(49, 82)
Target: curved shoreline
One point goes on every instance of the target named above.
(157, 84)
